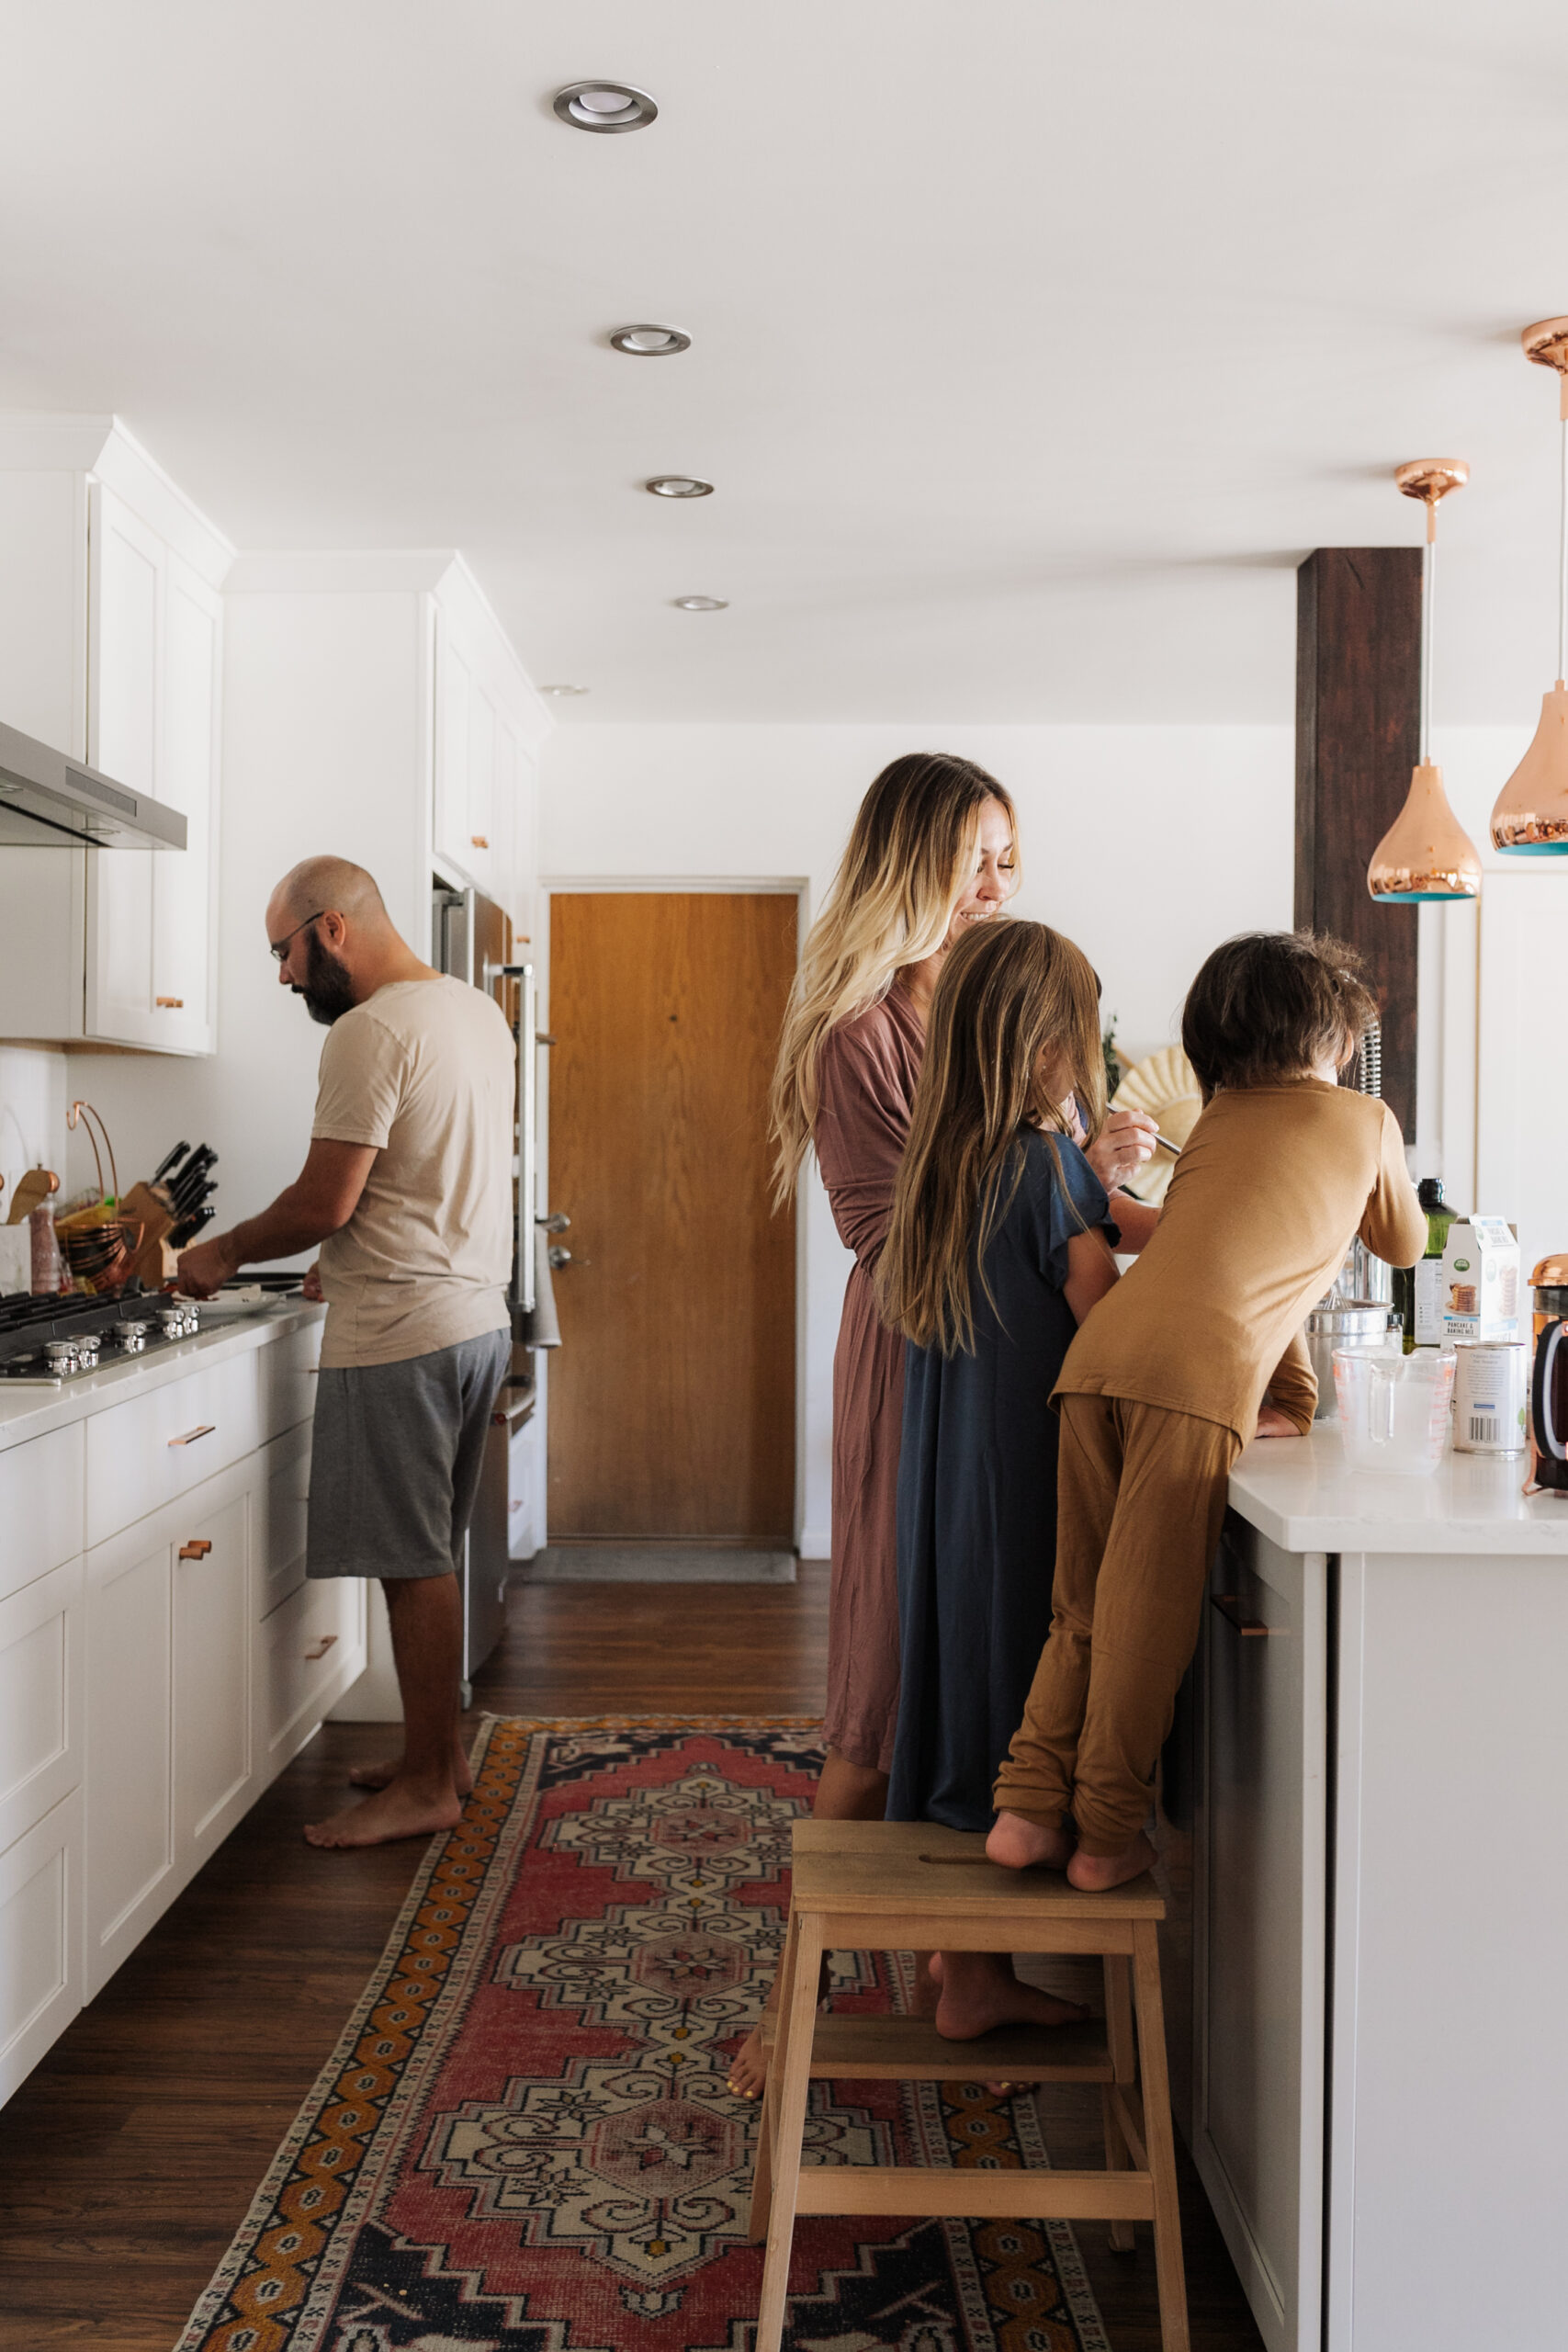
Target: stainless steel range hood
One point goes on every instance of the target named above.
(46, 800)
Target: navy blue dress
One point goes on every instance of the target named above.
(977, 1502)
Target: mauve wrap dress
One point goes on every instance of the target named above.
(866, 1087)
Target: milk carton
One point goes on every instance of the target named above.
(1480, 1282)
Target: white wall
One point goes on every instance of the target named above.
(32, 1114)
(1148, 845)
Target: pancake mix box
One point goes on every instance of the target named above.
(1481, 1282)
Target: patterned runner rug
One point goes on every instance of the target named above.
(523, 2142)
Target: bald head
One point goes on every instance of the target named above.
(322, 885)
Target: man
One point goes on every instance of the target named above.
(407, 1192)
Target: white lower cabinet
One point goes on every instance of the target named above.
(41, 1939)
(152, 1685)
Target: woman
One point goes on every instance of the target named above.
(933, 853)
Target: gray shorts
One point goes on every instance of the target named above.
(396, 1454)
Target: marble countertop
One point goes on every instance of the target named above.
(32, 1412)
(1299, 1493)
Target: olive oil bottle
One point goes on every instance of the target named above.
(1418, 1289)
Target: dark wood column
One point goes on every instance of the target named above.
(1358, 732)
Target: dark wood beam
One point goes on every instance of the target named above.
(1358, 732)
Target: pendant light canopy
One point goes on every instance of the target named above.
(1531, 816)
(1427, 853)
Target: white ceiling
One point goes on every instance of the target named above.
(1033, 345)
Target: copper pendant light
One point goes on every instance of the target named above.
(1531, 816)
(1425, 853)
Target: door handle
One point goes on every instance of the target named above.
(197, 1549)
(191, 1435)
(558, 1256)
(1230, 1606)
(170, 1003)
(557, 1221)
(322, 1646)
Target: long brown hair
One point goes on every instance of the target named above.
(910, 855)
(1010, 996)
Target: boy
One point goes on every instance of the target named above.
(1168, 1378)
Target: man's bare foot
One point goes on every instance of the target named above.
(1021, 1845)
(979, 1991)
(381, 1776)
(402, 1809)
(747, 2075)
(1097, 1873)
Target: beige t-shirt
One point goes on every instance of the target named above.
(426, 1070)
(1273, 1185)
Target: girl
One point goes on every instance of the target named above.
(999, 1245)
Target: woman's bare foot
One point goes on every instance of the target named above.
(1097, 1873)
(979, 1991)
(402, 1809)
(1021, 1845)
(381, 1776)
(747, 2075)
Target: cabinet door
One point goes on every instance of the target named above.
(1260, 1925)
(130, 1744)
(183, 881)
(480, 847)
(211, 1569)
(453, 694)
(40, 1698)
(41, 1939)
(126, 573)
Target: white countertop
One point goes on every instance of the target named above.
(32, 1412)
(1299, 1493)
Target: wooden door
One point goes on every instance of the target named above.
(671, 1406)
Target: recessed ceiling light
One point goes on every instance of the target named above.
(702, 605)
(605, 106)
(679, 486)
(651, 343)
(564, 690)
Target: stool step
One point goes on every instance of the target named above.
(888, 2049)
(975, 2194)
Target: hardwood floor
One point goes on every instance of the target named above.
(128, 2159)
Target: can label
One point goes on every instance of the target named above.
(1491, 1383)
(1430, 1297)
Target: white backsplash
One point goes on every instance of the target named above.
(33, 1097)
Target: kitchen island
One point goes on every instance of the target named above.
(162, 1657)
(1380, 2065)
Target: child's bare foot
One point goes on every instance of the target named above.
(747, 2075)
(1097, 1873)
(979, 1991)
(1021, 1845)
(381, 1775)
(403, 1809)
(928, 1982)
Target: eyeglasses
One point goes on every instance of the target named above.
(280, 948)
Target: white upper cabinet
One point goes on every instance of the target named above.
(489, 723)
(114, 946)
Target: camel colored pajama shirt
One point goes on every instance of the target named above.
(1159, 1392)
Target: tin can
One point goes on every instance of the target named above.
(1491, 1388)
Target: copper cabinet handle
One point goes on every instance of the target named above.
(191, 1435)
(1229, 1606)
(197, 1549)
(170, 1003)
(322, 1646)
(479, 840)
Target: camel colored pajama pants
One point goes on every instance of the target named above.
(1140, 1496)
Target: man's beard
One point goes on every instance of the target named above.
(328, 990)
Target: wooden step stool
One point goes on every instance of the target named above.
(906, 1886)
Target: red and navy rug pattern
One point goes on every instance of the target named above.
(524, 2142)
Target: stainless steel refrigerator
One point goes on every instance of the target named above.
(471, 939)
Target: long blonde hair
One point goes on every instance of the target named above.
(1010, 997)
(909, 858)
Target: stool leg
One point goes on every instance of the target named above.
(1123, 2066)
(768, 2122)
(1159, 2139)
(792, 2065)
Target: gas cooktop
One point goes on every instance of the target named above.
(44, 1342)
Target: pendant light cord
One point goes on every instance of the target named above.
(1563, 558)
(1429, 599)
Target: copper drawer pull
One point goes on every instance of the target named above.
(1229, 1606)
(191, 1435)
(170, 1003)
(196, 1550)
(479, 840)
(322, 1646)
